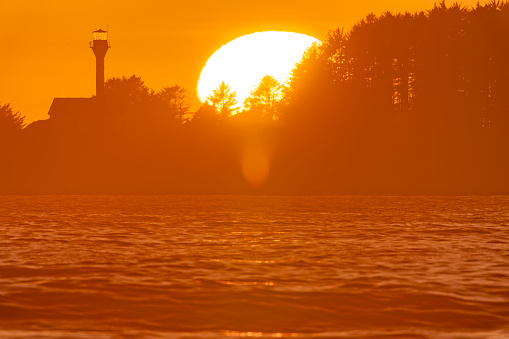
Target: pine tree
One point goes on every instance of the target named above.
(223, 100)
(10, 122)
(265, 98)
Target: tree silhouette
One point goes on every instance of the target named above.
(265, 98)
(206, 116)
(128, 95)
(10, 122)
(175, 101)
(223, 100)
(318, 79)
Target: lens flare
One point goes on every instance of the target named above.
(255, 166)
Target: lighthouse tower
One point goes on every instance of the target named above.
(77, 112)
(100, 46)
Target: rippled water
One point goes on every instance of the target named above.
(231, 266)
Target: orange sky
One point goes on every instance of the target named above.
(45, 50)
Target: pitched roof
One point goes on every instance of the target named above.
(72, 108)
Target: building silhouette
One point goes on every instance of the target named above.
(73, 111)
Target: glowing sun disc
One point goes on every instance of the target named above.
(242, 62)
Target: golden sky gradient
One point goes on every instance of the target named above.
(45, 50)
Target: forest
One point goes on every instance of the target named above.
(408, 103)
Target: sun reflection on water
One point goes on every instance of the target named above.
(265, 334)
(246, 283)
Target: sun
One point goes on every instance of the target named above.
(242, 62)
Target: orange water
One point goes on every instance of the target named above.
(270, 267)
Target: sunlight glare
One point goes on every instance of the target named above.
(242, 62)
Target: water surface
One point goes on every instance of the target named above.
(234, 266)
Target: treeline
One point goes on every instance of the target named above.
(400, 104)
(444, 67)
(138, 140)
(412, 103)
